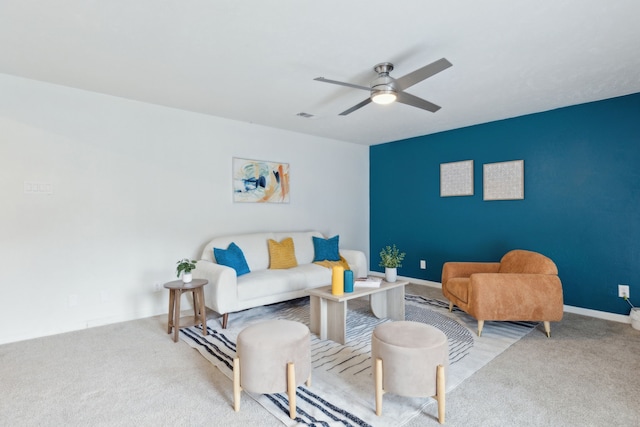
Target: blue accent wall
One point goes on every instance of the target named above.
(581, 206)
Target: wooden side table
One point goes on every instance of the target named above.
(176, 289)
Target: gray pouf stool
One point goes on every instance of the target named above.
(272, 357)
(410, 359)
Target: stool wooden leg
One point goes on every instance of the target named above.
(480, 326)
(547, 328)
(440, 393)
(176, 315)
(291, 389)
(172, 297)
(379, 391)
(236, 384)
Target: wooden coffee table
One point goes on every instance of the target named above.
(329, 312)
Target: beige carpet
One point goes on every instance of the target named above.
(132, 373)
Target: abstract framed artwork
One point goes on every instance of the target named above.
(456, 179)
(259, 181)
(503, 181)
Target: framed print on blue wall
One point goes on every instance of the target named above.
(503, 181)
(456, 178)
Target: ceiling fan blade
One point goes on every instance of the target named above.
(414, 101)
(420, 74)
(335, 82)
(356, 107)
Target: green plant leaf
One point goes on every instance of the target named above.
(391, 257)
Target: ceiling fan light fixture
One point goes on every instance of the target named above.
(383, 96)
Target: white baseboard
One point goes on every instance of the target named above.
(567, 308)
(598, 314)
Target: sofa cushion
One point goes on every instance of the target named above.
(326, 249)
(282, 255)
(232, 257)
(260, 284)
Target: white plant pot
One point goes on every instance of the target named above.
(390, 274)
(187, 277)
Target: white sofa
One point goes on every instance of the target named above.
(227, 293)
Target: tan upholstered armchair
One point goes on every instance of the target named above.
(523, 286)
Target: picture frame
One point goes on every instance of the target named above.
(503, 180)
(456, 178)
(260, 181)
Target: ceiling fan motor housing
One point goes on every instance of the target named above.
(383, 88)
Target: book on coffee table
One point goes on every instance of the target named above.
(367, 282)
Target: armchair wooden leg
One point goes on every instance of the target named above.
(480, 326)
(236, 384)
(547, 328)
(440, 393)
(378, 384)
(291, 389)
(450, 306)
(309, 380)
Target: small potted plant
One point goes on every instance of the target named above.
(185, 266)
(391, 258)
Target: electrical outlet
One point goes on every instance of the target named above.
(157, 287)
(623, 291)
(423, 264)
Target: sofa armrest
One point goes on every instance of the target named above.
(357, 261)
(220, 294)
(510, 296)
(466, 269)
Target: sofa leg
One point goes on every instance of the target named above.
(547, 328)
(450, 306)
(480, 326)
(225, 317)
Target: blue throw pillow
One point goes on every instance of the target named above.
(232, 257)
(326, 249)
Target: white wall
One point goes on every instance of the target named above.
(135, 188)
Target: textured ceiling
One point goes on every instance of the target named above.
(255, 61)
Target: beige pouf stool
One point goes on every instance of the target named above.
(410, 359)
(272, 357)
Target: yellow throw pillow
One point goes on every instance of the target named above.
(282, 255)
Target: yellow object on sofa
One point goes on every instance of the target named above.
(282, 254)
(523, 286)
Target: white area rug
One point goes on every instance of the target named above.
(342, 392)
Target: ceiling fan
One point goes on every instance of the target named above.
(385, 89)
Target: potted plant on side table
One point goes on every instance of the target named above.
(186, 266)
(391, 258)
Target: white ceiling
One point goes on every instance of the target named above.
(255, 61)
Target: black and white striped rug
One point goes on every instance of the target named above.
(342, 392)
